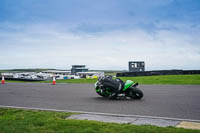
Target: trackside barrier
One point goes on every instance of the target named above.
(159, 72)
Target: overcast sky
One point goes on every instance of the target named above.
(102, 34)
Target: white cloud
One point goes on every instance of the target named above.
(39, 46)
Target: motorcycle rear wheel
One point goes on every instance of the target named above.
(101, 94)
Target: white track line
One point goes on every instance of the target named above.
(97, 113)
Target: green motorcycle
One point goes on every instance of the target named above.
(107, 87)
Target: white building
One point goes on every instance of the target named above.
(57, 72)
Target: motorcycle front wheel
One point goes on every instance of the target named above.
(135, 93)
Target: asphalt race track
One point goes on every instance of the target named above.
(174, 101)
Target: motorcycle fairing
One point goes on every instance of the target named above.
(128, 84)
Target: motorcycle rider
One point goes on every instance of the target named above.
(114, 85)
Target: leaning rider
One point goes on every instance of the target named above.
(114, 85)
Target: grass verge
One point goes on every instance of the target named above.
(164, 79)
(32, 121)
(167, 79)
